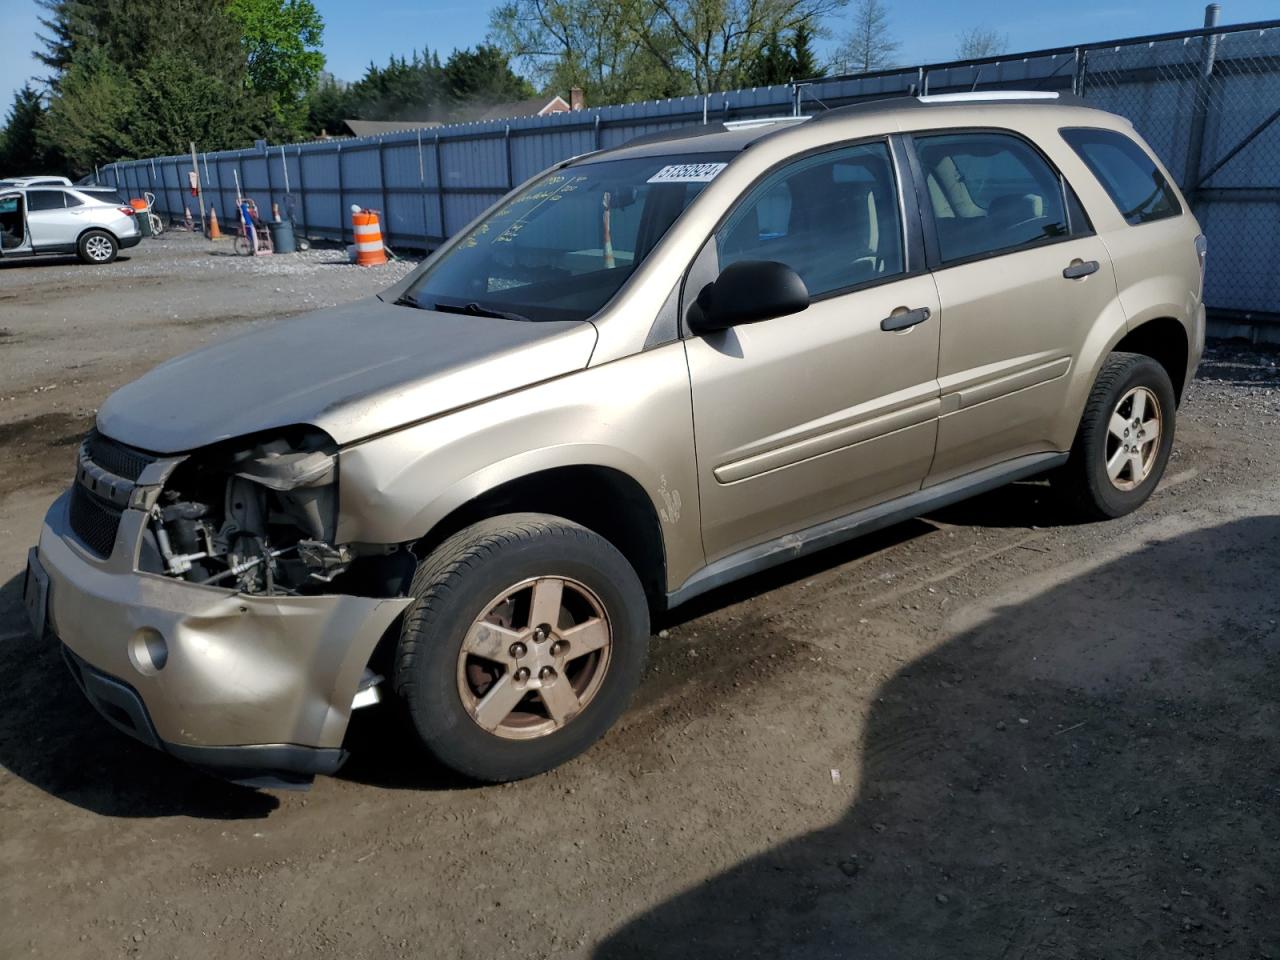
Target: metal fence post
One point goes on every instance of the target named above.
(422, 187)
(271, 189)
(1077, 79)
(302, 192)
(444, 232)
(1200, 104)
(342, 201)
(382, 184)
(506, 145)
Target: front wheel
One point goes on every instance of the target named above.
(97, 246)
(526, 640)
(1124, 440)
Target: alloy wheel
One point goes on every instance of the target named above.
(1133, 438)
(98, 248)
(535, 658)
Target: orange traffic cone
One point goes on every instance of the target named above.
(214, 232)
(187, 222)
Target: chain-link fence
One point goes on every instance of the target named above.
(1207, 100)
(1210, 106)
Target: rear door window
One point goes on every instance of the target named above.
(44, 200)
(989, 193)
(1130, 177)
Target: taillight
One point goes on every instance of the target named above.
(1202, 248)
(127, 211)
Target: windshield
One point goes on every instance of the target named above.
(562, 247)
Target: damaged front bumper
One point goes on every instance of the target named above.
(258, 689)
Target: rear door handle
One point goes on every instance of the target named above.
(1078, 269)
(906, 318)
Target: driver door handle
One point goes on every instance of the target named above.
(1078, 269)
(901, 319)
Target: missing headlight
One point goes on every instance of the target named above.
(258, 514)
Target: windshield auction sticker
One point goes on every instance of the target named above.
(688, 173)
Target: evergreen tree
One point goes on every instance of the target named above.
(144, 77)
(20, 150)
(774, 63)
(804, 60)
(483, 75)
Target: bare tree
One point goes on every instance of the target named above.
(870, 45)
(717, 41)
(981, 42)
(626, 49)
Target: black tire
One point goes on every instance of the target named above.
(1084, 481)
(97, 247)
(452, 587)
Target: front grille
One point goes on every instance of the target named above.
(93, 521)
(115, 457)
(104, 481)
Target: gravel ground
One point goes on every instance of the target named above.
(986, 733)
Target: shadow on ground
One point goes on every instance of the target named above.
(50, 260)
(1091, 772)
(53, 739)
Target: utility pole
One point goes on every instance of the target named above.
(195, 172)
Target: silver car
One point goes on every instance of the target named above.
(36, 221)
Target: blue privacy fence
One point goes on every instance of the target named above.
(1207, 100)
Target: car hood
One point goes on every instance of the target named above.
(352, 371)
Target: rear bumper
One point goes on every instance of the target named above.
(251, 687)
(127, 242)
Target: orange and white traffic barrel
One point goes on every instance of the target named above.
(369, 249)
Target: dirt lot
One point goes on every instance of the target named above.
(982, 734)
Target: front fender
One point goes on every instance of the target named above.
(633, 415)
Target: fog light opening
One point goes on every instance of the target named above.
(148, 651)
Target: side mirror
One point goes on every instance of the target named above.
(747, 292)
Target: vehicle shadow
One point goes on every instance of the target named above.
(1088, 772)
(17, 263)
(51, 738)
(1030, 503)
(379, 739)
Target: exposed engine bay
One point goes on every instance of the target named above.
(260, 517)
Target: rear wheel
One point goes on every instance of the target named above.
(98, 246)
(1124, 440)
(526, 641)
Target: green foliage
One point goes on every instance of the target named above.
(803, 58)
(20, 150)
(419, 88)
(328, 104)
(482, 75)
(782, 61)
(641, 49)
(568, 43)
(89, 119)
(145, 77)
(281, 40)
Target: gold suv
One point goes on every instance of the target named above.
(642, 374)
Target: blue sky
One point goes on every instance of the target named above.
(356, 33)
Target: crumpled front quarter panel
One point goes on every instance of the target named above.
(633, 415)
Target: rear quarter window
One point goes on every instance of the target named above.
(1127, 173)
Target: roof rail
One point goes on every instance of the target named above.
(764, 122)
(927, 101)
